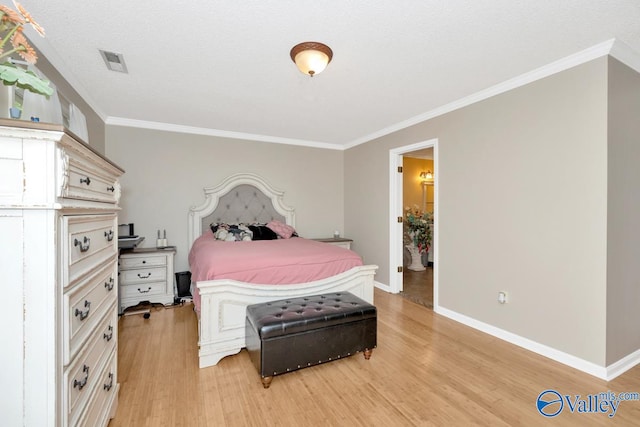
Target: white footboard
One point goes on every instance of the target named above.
(223, 306)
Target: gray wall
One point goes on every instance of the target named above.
(623, 248)
(166, 173)
(95, 124)
(522, 208)
(536, 192)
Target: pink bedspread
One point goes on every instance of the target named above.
(268, 262)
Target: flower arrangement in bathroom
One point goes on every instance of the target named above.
(417, 228)
(13, 41)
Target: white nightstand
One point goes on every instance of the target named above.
(146, 274)
(338, 241)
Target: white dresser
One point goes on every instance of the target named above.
(58, 257)
(146, 274)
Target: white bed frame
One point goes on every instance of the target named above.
(221, 321)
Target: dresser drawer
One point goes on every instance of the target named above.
(97, 413)
(142, 291)
(143, 275)
(86, 182)
(85, 373)
(89, 241)
(141, 261)
(85, 306)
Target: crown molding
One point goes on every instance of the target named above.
(586, 55)
(625, 54)
(169, 127)
(614, 47)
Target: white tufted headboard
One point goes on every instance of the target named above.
(240, 198)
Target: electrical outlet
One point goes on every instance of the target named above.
(502, 297)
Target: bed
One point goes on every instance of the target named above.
(220, 303)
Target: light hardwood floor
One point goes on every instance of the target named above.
(418, 286)
(427, 370)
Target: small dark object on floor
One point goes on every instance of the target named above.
(144, 308)
(287, 335)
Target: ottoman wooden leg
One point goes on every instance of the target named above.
(367, 354)
(266, 381)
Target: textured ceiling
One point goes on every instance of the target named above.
(223, 67)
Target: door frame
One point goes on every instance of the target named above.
(396, 210)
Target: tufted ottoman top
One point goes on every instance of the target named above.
(289, 316)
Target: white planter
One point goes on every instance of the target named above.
(416, 258)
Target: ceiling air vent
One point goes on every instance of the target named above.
(114, 61)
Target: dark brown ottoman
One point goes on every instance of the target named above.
(286, 335)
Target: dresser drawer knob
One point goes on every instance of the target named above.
(107, 387)
(84, 244)
(80, 384)
(112, 189)
(109, 284)
(144, 292)
(144, 277)
(83, 314)
(86, 180)
(109, 335)
(109, 235)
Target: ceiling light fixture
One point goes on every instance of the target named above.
(311, 57)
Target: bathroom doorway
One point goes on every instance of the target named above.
(414, 283)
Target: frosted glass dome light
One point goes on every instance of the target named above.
(311, 57)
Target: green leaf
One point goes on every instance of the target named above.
(25, 79)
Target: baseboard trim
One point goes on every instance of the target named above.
(382, 286)
(605, 373)
(623, 365)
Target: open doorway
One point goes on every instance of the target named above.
(418, 202)
(422, 283)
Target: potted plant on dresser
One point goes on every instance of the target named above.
(13, 42)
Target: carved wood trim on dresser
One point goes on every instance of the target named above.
(58, 254)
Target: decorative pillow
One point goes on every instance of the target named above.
(283, 230)
(231, 232)
(262, 232)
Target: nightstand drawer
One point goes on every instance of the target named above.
(140, 262)
(143, 275)
(146, 274)
(142, 291)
